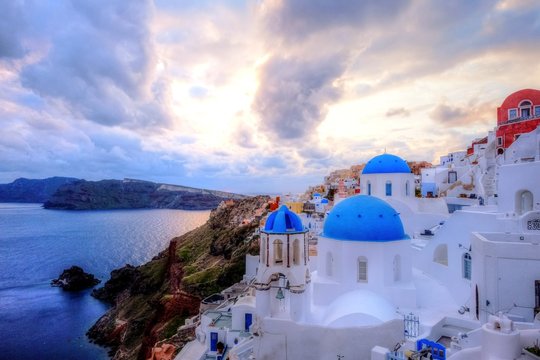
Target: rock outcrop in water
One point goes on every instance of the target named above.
(75, 279)
(151, 301)
(32, 190)
(134, 194)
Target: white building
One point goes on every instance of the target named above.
(321, 204)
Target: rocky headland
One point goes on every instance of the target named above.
(75, 279)
(32, 190)
(151, 301)
(134, 194)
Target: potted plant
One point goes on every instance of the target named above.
(533, 352)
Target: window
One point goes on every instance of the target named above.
(524, 202)
(397, 268)
(362, 269)
(278, 251)
(388, 188)
(329, 264)
(407, 185)
(467, 266)
(525, 107)
(369, 187)
(296, 252)
(537, 111)
(499, 141)
(440, 255)
(512, 114)
(452, 177)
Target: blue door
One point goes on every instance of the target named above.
(249, 320)
(213, 341)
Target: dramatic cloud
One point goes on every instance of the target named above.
(101, 63)
(11, 29)
(450, 116)
(297, 20)
(247, 96)
(294, 94)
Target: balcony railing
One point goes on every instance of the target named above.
(523, 118)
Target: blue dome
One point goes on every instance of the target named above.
(324, 201)
(283, 221)
(386, 163)
(316, 194)
(363, 218)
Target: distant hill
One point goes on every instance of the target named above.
(32, 190)
(134, 194)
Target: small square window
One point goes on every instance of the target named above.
(512, 114)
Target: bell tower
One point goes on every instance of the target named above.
(283, 272)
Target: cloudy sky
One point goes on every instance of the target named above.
(252, 96)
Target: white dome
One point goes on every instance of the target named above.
(358, 308)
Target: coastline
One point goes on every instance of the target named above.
(40, 244)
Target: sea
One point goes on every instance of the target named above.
(38, 321)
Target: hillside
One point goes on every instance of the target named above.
(152, 300)
(32, 190)
(134, 194)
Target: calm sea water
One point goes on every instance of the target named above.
(41, 322)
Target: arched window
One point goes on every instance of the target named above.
(369, 187)
(263, 250)
(388, 188)
(362, 269)
(524, 201)
(407, 190)
(525, 107)
(397, 268)
(467, 266)
(440, 255)
(329, 264)
(296, 252)
(278, 251)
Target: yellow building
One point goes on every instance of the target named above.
(295, 206)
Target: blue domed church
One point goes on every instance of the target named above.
(387, 175)
(361, 277)
(283, 272)
(364, 247)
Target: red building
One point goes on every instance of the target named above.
(518, 114)
(470, 150)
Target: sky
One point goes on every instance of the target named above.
(262, 96)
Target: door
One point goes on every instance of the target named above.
(213, 341)
(249, 320)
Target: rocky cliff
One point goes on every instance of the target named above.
(32, 190)
(151, 301)
(134, 194)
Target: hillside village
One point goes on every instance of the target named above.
(417, 261)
